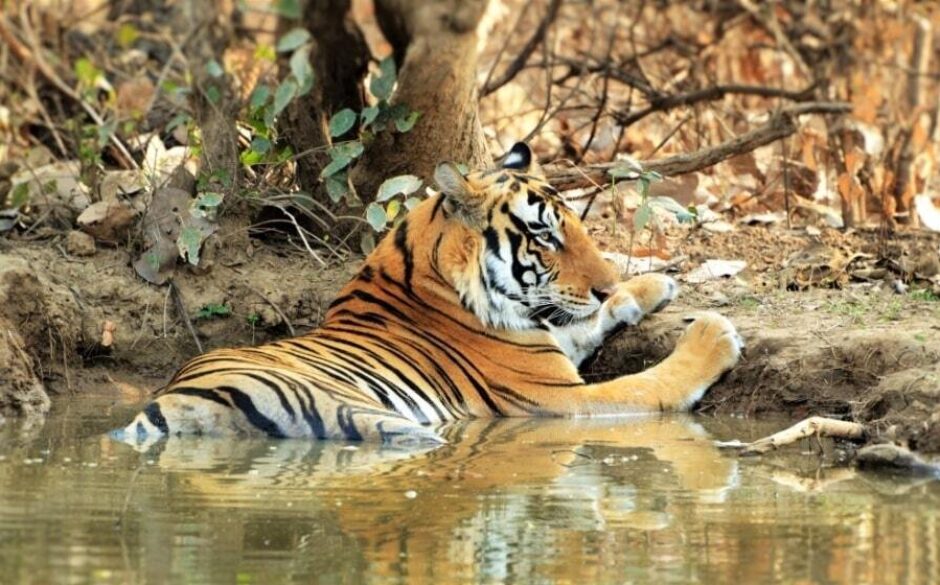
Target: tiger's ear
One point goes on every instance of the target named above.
(459, 197)
(519, 157)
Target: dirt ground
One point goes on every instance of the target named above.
(827, 334)
(836, 324)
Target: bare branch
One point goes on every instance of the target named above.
(780, 125)
(519, 62)
(716, 92)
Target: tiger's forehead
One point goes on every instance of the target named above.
(526, 196)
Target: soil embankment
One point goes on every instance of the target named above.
(864, 353)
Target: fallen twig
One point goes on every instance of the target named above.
(181, 309)
(813, 426)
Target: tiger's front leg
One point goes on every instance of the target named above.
(627, 305)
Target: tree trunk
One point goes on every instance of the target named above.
(435, 46)
(339, 58)
(214, 104)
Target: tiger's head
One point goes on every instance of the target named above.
(525, 257)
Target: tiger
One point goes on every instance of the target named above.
(481, 302)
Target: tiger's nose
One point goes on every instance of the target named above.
(602, 294)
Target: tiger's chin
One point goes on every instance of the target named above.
(559, 316)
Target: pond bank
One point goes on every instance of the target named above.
(74, 322)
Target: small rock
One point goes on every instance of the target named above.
(715, 269)
(719, 299)
(79, 244)
(108, 221)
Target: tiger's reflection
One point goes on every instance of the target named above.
(435, 511)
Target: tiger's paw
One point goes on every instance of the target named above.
(636, 298)
(713, 341)
(652, 291)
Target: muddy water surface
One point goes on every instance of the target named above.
(582, 502)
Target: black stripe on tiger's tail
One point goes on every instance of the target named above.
(240, 400)
(156, 418)
(344, 417)
(308, 408)
(258, 420)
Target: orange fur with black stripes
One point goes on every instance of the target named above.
(482, 302)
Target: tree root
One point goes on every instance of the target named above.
(813, 426)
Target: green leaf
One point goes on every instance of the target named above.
(285, 154)
(336, 165)
(337, 187)
(400, 185)
(284, 94)
(213, 94)
(259, 96)
(411, 203)
(641, 217)
(214, 69)
(126, 34)
(105, 131)
(382, 85)
(189, 244)
(392, 209)
(303, 72)
(341, 122)
(209, 199)
(265, 52)
(177, 120)
(293, 39)
(667, 204)
(260, 145)
(213, 310)
(287, 8)
(368, 115)
(349, 149)
(683, 215)
(19, 196)
(376, 217)
(86, 72)
(251, 158)
(406, 123)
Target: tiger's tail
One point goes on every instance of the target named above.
(221, 412)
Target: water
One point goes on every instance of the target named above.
(506, 502)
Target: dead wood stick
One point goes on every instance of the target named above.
(813, 426)
(181, 309)
(780, 125)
